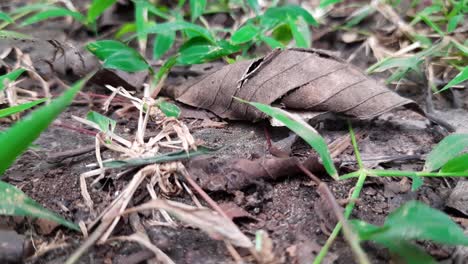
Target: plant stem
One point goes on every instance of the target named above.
(362, 173)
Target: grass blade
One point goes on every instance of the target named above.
(14, 202)
(19, 108)
(459, 78)
(11, 76)
(450, 147)
(302, 129)
(17, 138)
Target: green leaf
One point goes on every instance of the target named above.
(162, 43)
(417, 221)
(125, 29)
(459, 78)
(163, 28)
(97, 8)
(300, 32)
(302, 129)
(325, 3)
(453, 22)
(411, 253)
(457, 164)
(271, 42)
(357, 16)
(431, 24)
(17, 138)
(165, 68)
(7, 34)
(178, 155)
(244, 34)
(14, 202)
(19, 108)
(416, 183)
(412, 62)
(447, 149)
(254, 6)
(460, 47)
(117, 55)
(31, 8)
(51, 13)
(4, 16)
(294, 11)
(197, 7)
(11, 77)
(199, 50)
(104, 123)
(169, 109)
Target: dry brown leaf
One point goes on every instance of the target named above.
(207, 220)
(300, 79)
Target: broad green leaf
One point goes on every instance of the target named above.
(7, 34)
(4, 16)
(52, 13)
(325, 3)
(197, 7)
(14, 202)
(17, 138)
(104, 123)
(11, 77)
(244, 34)
(162, 43)
(294, 11)
(19, 108)
(457, 164)
(97, 8)
(163, 28)
(447, 149)
(282, 33)
(178, 155)
(169, 109)
(302, 129)
(117, 55)
(411, 253)
(453, 22)
(417, 221)
(459, 78)
(199, 50)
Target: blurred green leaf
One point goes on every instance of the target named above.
(197, 7)
(163, 28)
(415, 221)
(19, 108)
(300, 32)
(52, 13)
(453, 22)
(17, 138)
(302, 129)
(457, 164)
(325, 3)
(4, 16)
(282, 33)
(11, 77)
(447, 149)
(271, 42)
(162, 43)
(433, 25)
(357, 16)
(244, 34)
(460, 47)
(117, 55)
(7, 34)
(31, 8)
(178, 155)
(409, 252)
(14, 202)
(293, 11)
(199, 50)
(459, 78)
(104, 123)
(169, 109)
(97, 8)
(412, 62)
(125, 29)
(254, 6)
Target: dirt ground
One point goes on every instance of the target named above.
(288, 208)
